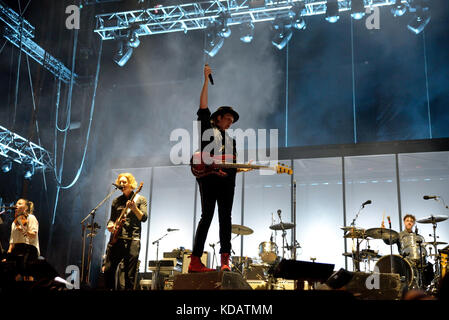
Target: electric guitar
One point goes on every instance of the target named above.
(200, 169)
(118, 225)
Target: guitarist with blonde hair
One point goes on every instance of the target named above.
(128, 211)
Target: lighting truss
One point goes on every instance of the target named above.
(196, 16)
(12, 33)
(22, 151)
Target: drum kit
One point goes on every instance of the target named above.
(261, 268)
(415, 271)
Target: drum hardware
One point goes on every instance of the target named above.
(437, 243)
(434, 220)
(356, 263)
(282, 226)
(240, 230)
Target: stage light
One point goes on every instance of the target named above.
(6, 165)
(419, 22)
(332, 11)
(298, 21)
(123, 54)
(399, 8)
(213, 41)
(246, 32)
(421, 18)
(28, 170)
(357, 9)
(282, 33)
(134, 41)
(222, 25)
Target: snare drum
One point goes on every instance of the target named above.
(268, 251)
(400, 266)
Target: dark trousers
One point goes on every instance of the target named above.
(221, 191)
(23, 254)
(128, 250)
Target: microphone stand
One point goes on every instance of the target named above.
(356, 258)
(284, 233)
(92, 228)
(391, 249)
(214, 257)
(155, 282)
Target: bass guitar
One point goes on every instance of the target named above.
(200, 169)
(118, 225)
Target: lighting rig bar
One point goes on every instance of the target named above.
(22, 151)
(15, 25)
(195, 16)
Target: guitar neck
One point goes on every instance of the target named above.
(240, 165)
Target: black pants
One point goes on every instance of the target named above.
(128, 250)
(221, 191)
(24, 255)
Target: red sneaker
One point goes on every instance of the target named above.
(197, 266)
(225, 262)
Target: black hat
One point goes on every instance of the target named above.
(223, 110)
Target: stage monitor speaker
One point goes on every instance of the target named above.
(216, 280)
(303, 270)
(388, 286)
(186, 261)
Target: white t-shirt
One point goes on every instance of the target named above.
(17, 236)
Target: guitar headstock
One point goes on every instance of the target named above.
(139, 188)
(281, 168)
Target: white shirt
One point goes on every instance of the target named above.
(17, 236)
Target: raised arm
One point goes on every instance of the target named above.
(204, 91)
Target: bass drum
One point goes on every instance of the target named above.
(400, 266)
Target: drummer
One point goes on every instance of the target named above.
(409, 222)
(404, 240)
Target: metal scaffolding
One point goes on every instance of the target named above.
(19, 32)
(195, 16)
(23, 151)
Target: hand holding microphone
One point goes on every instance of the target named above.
(208, 72)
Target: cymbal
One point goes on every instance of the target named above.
(382, 233)
(432, 219)
(355, 236)
(241, 230)
(355, 233)
(434, 243)
(282, 225)
(351, 228)
(364, 254)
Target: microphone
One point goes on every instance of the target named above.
(416, 230)
(430, 197)
(118, 186)
(389, 221)
(211, 79)
(8, 207)
(212, 245)
(279, 213)
(170, 230)
(366, 202)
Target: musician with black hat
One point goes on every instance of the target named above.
(218, 187)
